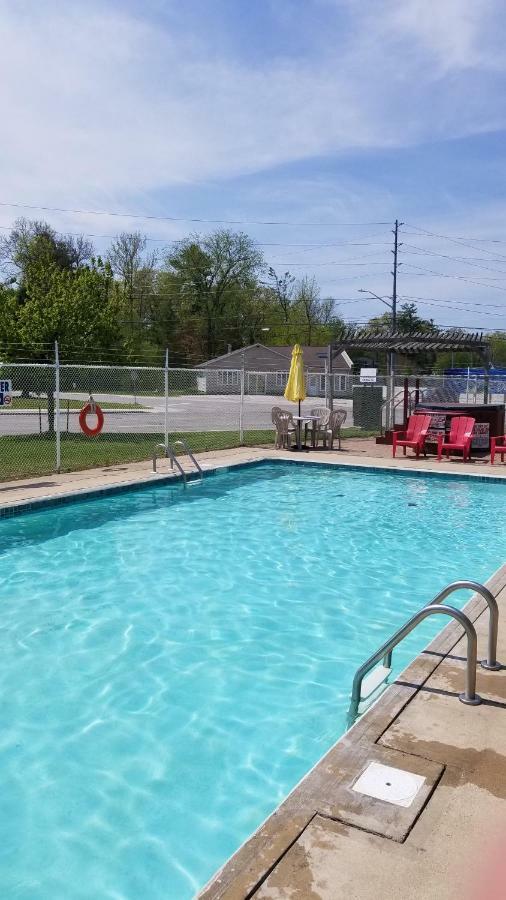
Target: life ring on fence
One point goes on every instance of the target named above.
(90, 409)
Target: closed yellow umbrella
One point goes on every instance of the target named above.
(296, 385)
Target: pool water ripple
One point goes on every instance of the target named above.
(173, 663)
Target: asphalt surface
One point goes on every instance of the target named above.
(199, 412)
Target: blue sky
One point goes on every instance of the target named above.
(322, 111)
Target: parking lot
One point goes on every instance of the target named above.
(191, 413)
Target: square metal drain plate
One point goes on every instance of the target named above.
(389, 784)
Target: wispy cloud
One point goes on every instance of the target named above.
(107, 106)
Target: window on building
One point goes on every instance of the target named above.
(228, 378)
(340, 382)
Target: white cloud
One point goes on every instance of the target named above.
(101, 108)
(459, 34)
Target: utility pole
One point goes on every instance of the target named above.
(394, 290)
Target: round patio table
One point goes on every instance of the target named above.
(300, 420)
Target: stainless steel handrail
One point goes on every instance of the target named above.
(468, 696)
(190, 454)
(394, 405)
(493, 626)
(170, 454)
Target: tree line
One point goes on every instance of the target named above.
(198, 297)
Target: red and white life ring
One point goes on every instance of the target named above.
(90, 409)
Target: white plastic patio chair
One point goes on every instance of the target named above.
(333, 428)
(285, 427)
(316, 428)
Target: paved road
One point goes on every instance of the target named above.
(201, 412)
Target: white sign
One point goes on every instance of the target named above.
(368, 376)
(5, 391)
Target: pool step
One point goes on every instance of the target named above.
(371, 684)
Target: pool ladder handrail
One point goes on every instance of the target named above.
(490, 662)
(170, 454)
(469, 695)
(493, 622)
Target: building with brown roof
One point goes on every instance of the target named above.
(266, 371)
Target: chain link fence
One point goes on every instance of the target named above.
(211, 409)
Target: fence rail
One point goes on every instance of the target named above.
(211, 409)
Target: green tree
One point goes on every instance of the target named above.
(215, 277)
(32, 242)
(135, 270)
(498, 348)
(75, 308)
(408, 322)
(283, 290)
(312, 314)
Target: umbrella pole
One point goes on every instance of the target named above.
(300, 431)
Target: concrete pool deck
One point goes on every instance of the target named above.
(326, 841)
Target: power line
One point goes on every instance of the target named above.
(456, 300)
(455, 259)
(346, 262)
(440, 304)
(423, 270)
(125, 215)
(453, 240)
(167, 240)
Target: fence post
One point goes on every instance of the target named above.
(330, 377)
(486, 391)
(392, 401)
(57, 401)
(241, 406)
(405, 407)
(166, 388)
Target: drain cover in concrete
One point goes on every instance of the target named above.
(386, 783)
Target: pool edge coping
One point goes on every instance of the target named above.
(75, 495)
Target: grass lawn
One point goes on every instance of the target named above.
(33, 454)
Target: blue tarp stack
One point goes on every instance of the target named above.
(496, 376)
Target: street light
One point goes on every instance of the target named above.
(364, 291)
(393, 307)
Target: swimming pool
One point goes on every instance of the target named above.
(173, 662)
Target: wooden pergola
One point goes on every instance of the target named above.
(436, 341)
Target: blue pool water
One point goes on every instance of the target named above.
(173, 662)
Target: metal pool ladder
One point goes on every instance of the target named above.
(364, 688)
(171, 454)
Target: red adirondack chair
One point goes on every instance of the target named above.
(461, 433)
(414, 436)
(497, 445)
